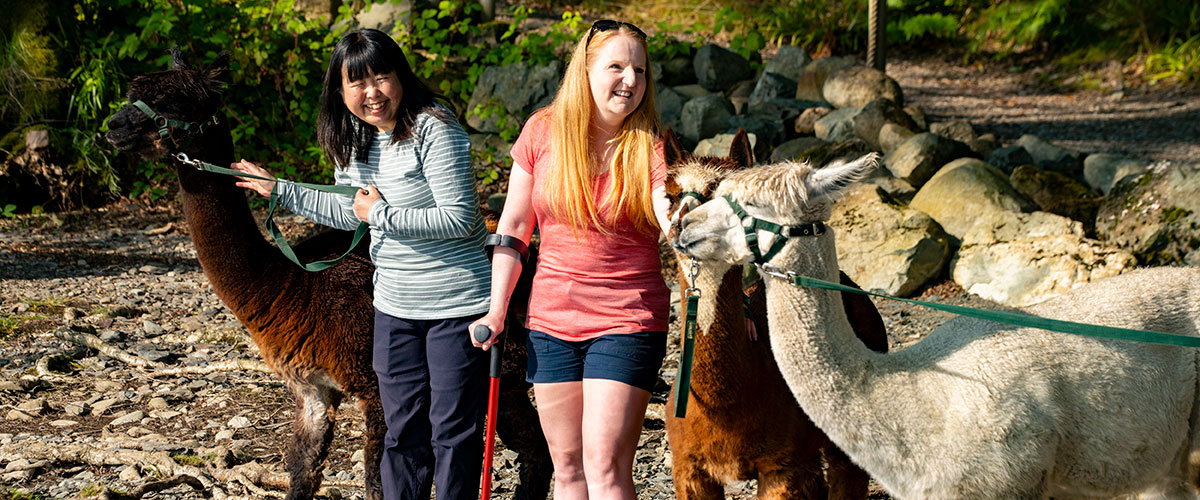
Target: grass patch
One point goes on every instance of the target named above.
(189, 459)
(15, 494)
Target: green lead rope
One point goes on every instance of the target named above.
(684, 380)
(1012, 318)
(272, 229)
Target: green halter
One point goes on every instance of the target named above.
(190, 129)
(752, 226)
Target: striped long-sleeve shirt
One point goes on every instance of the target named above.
(426, 232)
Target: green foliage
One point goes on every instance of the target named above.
(928, 26)
(1178, 60)
(450, 53)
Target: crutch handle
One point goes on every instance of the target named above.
(481, 333)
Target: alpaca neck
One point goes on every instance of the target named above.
(722, 343)
(830, 372)
(224, 233)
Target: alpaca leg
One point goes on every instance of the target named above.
(846, 481)
(692, 482)
(518, 427)
(316, 409)
(798, 480)
(375, 429)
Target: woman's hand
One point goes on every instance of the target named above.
(494, 323)
(260, 186)
(363, 201)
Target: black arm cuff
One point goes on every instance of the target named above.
(510, 242)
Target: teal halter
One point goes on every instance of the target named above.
(753, 225)
(190, 129)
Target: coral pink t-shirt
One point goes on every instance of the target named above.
(597, 284)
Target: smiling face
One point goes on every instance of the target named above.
(617, 75)
(374, 99)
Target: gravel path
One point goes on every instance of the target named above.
(1146, 122)
(130, 273)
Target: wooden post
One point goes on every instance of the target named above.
(877, 35)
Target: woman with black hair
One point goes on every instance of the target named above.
(383, 129)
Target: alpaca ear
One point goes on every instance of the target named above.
(739, 151)
(177, 60)
(824, 184)
(218, 69)
(672, 150)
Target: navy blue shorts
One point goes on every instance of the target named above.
(630, 358)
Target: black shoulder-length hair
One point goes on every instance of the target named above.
(339, 132)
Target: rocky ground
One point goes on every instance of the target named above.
(75, 418)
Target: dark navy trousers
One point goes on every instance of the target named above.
(433, 384)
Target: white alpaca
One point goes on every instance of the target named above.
(977, 410)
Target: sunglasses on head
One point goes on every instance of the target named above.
(609, 24)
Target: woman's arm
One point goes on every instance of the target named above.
(444, 152)
(516, 220)
(662, 208)
(329, 209)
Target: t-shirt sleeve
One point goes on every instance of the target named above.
(532, 142)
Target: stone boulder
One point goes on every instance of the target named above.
(830, 151)
(769, 131)
(1155, 215)
(792, 149)
(670, 106)
(383, 16)
(678, 71)
(719, 145)
(918, 158)
(892, 135)
(705, 116)
(810, 83)
(1058, 194)
(1019, 259)
(521, 88)
(837, 126)
(958, 130)
(983, 145)
(878, 113)
(788, 61)
(897, 188)
(964, 191)
(884, 246)
(1009, 158)
(806, 123)
(718, 68)
(691, 91)
(857, 86)
(1048, 156)
(1103, 170)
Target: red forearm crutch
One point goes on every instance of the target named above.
(481, 334)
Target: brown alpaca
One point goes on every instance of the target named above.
(313, 329)
(742, 421)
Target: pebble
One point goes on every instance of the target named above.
(239, 422)
(15, 414)
(102, 407)
(129, 475)
(64, 423)
(77, 408)
(127, 418)
(33, 406)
